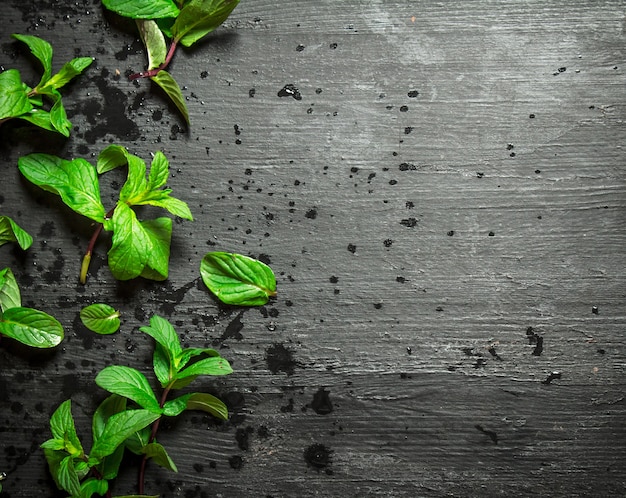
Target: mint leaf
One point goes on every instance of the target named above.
(159, 171)
(9, 291)
(162, 365)
(109, 465)
(12, 232)
(118, 428)
(130, 383)
(58, 116)
(142, 9)
(14, 99)
(100, 318)
(154, 42)
(40, 49)
(162, 199)
(208, 366)
(111, 157)
(196, 401)
(68, 72)
(237, 279)
(139, 248)
(164, 334)
(157, 453)
(199, 17)
(39, 118)
(170, 87)
(188, 353)
(31, 327)
(75, 181)
(207, 403)
(67, 477)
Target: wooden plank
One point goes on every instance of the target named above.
(444, 207)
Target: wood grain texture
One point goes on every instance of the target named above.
(452, 176)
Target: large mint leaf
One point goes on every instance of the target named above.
(13, 97)
(139, 248)
(238, 279)
(75, 181)
(142, 9)
(199, 17)
(12, 232)
(31, 327)
(130, 383)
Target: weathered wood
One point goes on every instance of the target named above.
(444, 207)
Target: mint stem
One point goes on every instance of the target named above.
(84, 267)
(153, 72)
(155, 428)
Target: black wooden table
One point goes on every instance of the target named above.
(440, 189)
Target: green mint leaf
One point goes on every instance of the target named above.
(207, 403)
(31, 327)
(118, 428)
(12, 232)
(58, 116)
(162, 199)
(100, 318)
(108, 466)
(63, 429)
(154, 42)
(9, 291)
(53, 444)
(75, 181)
(42, 50)
(164, 334)
(93, 486)
(175, 407)
(39, 118)
(142, 9)
(136, 182)
(13, 98)
(130, 383)
(199, 17)
(109, 407)
(67, 476)
(188, 353)
(162, 365)
(170, 87)
(139, 248)
(208, 366)
(111, 157)
(159, 171)
(238, 279)
(68, 72)
(157, 453)
(196, 401)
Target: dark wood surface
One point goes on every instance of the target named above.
(448, 192)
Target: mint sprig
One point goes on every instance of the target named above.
(140, 248)
(129, 418)
(41, 105)
(184, 22)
